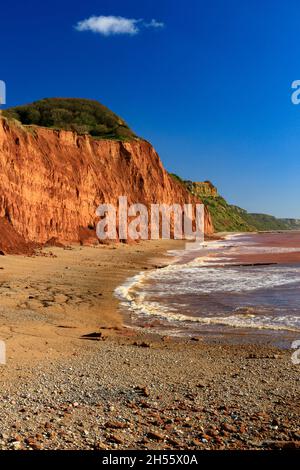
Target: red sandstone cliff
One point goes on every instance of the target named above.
(51, 182)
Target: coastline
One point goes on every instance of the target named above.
(142, 314)
(127, 389)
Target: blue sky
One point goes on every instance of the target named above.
(211, 89)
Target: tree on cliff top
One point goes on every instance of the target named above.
(80, 115)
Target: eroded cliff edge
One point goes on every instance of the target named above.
(53, 181)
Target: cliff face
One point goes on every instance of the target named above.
(51, 182)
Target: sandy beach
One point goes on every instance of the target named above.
(50, 300)
(77, 378)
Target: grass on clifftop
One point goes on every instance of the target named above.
(229, 218)
(225, 217)
(80, 115)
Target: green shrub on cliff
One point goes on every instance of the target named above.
(176, 178)
(80, 115)
(225, 217)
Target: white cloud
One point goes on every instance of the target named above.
(108, 25)
(112, 25)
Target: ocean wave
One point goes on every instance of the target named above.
(150, 293)
(242, 320)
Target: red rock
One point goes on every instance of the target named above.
(117, 439)
(116, 425)
(197, 443)
(31, 442)
(212, 433)
(218, 440)
(228, 427)
(100, 446)
(206, 437)
(173, 442)
(53, 181)
(155, 435)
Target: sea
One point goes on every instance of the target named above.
(240, 287)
